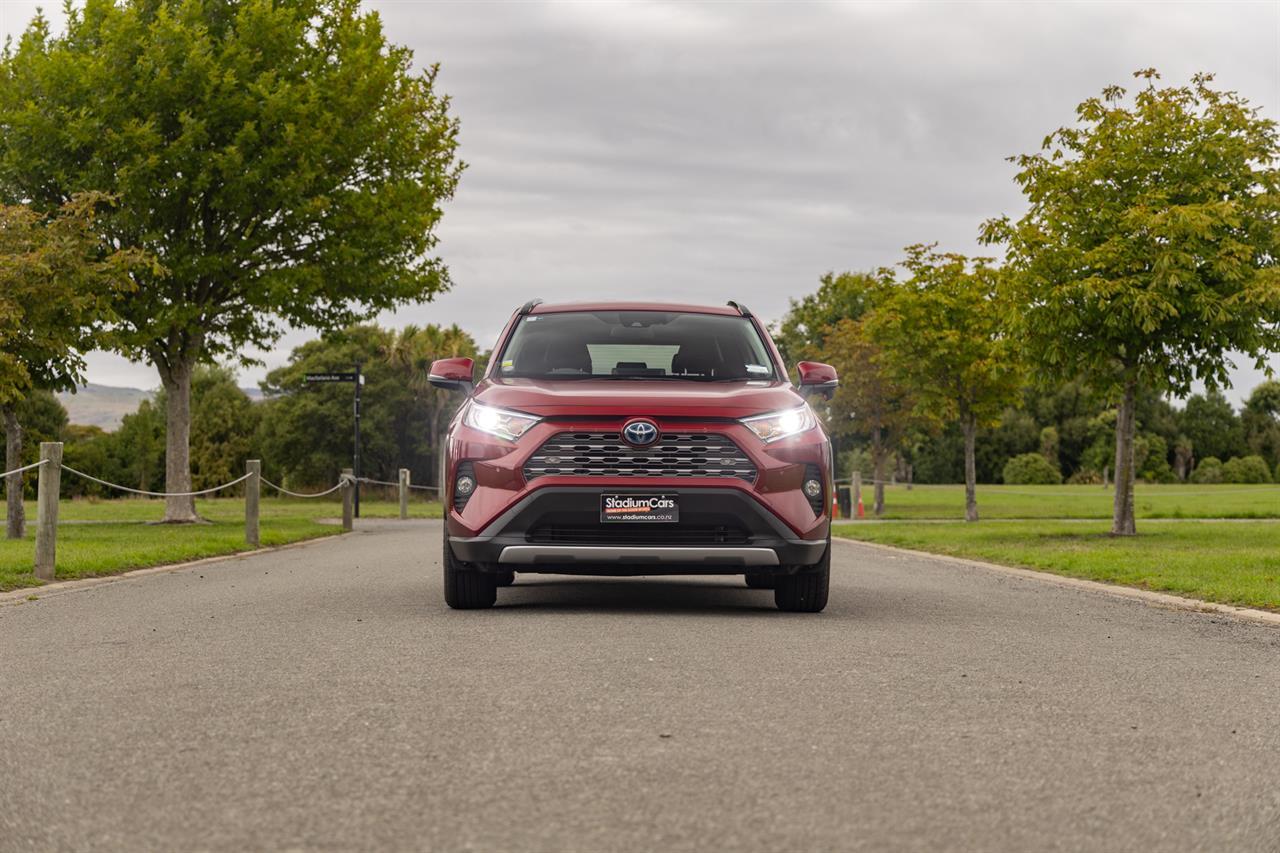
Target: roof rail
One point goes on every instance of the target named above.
(742, 309)
(529, 306)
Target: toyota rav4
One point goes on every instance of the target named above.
(636, 439)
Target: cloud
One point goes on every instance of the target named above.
(708, 151)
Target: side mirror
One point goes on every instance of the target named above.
(817, 378)
(452, 374)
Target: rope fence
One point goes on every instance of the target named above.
(23, 468)
(148, 494)
(397, 485)
(50, 483)
(342, 481)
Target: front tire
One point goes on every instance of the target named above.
(807, 590)
(465, 588)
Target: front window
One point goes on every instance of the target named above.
(636, 344)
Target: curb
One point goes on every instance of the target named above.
(1163, 600)
(20, 596)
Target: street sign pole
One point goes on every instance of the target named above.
(356, 470)
(358, 378)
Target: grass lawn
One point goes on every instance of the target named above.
(106, 537)
(1234, 562)
(1152, 501)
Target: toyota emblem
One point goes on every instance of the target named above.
(640, 433)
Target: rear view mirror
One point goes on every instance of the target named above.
(817, 378)
(452, 374)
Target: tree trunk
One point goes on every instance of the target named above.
(176, 379)
(1122, 520)
(16, 527)
(970, 426)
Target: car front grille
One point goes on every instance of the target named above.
(605, 454)
(638, 534)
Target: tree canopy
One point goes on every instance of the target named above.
(869, 404)
(283, 162)
(1147, 253)
(57, 284)
(940, 331)
(803, 331)
(305, 432)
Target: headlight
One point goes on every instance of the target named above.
(499, 422)
(776, 425)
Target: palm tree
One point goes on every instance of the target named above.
(410, 352)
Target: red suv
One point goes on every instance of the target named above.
(636, 439)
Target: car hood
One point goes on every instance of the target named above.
(634, 397)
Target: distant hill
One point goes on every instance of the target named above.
(102, 405)
(106, 405)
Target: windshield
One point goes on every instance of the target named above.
(636, 344)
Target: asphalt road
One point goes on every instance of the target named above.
(324, 698)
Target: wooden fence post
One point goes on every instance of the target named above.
(252, 491)
(348, 509)
(50, 483)
(404, 493)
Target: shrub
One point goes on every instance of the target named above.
(1208, 471)
(1031, 469)
(1154, 467)
(1248, 469)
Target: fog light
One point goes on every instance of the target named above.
(813, 488)
(464, 486)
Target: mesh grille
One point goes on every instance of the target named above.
(604, 454)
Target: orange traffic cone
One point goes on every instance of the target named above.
(835, 507)
(862, 513)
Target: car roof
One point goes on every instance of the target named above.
(561, 307)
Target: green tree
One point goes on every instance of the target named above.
(1049, 446)
(410, 353)
(802, 333)
(941, 336)
(282, 160)
(1183, 457)
(1212, 425)
(87, 448)
(1148, 250)
(1261, 422)
(57, 280)
(306, 430)
(136, 449)
(869, 404)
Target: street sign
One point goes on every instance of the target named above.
(358, 379)
(331, 377)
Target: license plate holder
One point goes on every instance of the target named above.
(645, 508)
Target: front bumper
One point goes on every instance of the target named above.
(557, 529)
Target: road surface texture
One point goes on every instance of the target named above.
(324, 698)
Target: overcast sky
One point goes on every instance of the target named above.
(740, 150)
